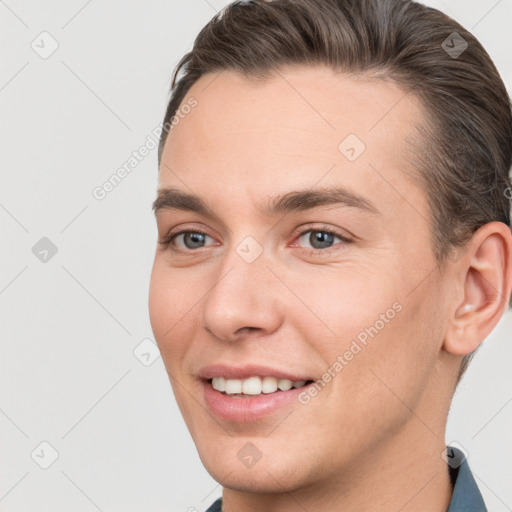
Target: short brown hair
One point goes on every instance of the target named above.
(464, 153)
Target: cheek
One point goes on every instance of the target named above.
(394, 364)
(373, 334)
(171, 302)
(347, 304)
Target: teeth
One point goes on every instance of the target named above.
(254, 385)
(251, 386)
(269, 385)
(284, 384)
(219, 383)
(233, 386)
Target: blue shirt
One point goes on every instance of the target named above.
(466, 496)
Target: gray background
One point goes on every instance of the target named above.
(70, 325)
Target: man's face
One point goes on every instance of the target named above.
(254, 291)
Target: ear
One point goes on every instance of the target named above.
(486, 283)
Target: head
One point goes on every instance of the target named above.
(367, 121)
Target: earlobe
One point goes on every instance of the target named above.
(487, 282)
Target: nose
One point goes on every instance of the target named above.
(244, 300)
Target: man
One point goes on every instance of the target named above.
(334, 245)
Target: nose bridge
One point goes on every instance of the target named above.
(244, 294)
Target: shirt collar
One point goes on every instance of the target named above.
(466, 495)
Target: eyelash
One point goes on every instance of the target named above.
(167, 242)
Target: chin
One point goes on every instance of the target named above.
(275, 475)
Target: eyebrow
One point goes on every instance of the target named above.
(294, 201)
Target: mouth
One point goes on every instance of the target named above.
(252, 398)
(246, 393)
(254, 386)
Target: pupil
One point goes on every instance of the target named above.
(196, 239)
(322, 237)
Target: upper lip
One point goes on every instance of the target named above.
(246, 371)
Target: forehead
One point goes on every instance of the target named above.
(296, 128)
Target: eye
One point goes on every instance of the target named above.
(321, 238)
(189, 239)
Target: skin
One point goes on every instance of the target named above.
(373, 437)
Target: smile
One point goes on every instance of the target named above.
(254, 385)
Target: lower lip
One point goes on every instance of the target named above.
(247, 409)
